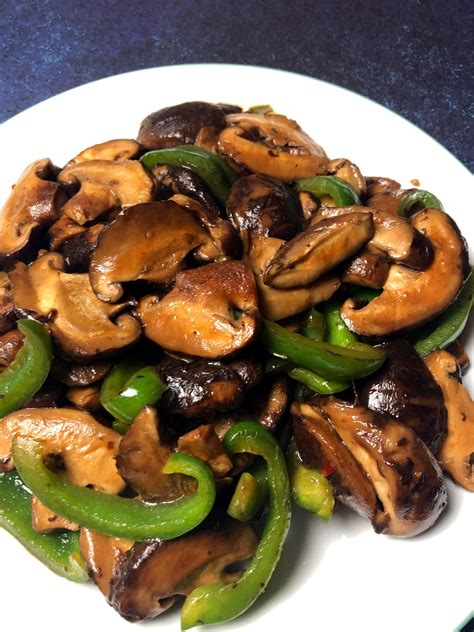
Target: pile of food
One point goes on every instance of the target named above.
(200, 325)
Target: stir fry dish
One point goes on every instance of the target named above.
(206, 324)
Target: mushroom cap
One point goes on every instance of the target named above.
(146, 241)
(80, 323)
(87, 448)
(211, 312)
(118, 150)
(33, 202)
(102, 554)
(456, 455)
(412, 297)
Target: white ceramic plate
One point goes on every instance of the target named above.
(337, 577)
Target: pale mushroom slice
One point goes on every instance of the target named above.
(211, 312)
(318, 249)
(412, 297)
(147, 241)
(44, 520)
(87, 449)
(350, 173)
(118, 149)
(34, 202)
(102, 554)
(104, 185)
(457, 452)
(203, 443)
(85, 397)
(81, 323)
(273, 145)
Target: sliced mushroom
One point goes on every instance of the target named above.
(64, 228)
(118, 150)
(456, 349)
(406, 477)
(50, 395)
(348, 171)
(44, 520)
(410, 297)
(264, 206)
(142, 454)
(369, 268)
(10, 343)
(179, 180)
(387, 201)
(376, 184)
(211, 312)
(317, 250)
(80, 374)
(104, 184)
(250, 369)
(102, 554)
(85, 397)
(457, 452)
(179, 124)
(275, 405)
(77, 250)
(152, 573)
(33, 203)
(7, 314)
(80, 323)
(87, 449)
(273, 145)
(146, 241)
(203, 443)
(200, 388)
(320, 446)
(404, 388)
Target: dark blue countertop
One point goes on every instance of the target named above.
(413, 57)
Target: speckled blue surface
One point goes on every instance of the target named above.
(414, 57)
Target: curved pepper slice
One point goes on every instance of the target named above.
(317, 383)
(221, 602)
(337, 331)
(30, 368)
(60, 552)
(314, 326)
(128, 389)
(451, 323)
(250, 493)
(309, 488)
(424, 199)
(113, 515)
(329, 361)
(213, 169)
(339, 190)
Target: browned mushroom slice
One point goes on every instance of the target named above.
(456, 349)
(179, 124)
(317, 250)
(348, 171)
(79, 374)
(275, 405)
(200, 388)
(457, 452)
(77, 250)
(264, 206)
(320, 446)
(369, 268)
(104, 184)
(211, 312)
(376, 184)
(118, 150)
(146, 241)
(309, 204)
(273, 145)
(411, 297)
(80, 323)
(203, 443)
(387, 201)
(10, 343)
(250, 369)
(64, 228)
(151, 574)
(406, 477)
(87, 449)
(102, 554)
(7, 314)
(85, 397)
(34, 202)
(141, 457)
(44, 520)
(179, 180)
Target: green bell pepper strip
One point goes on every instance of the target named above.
(329, 361)
(29, 370)
(337, 331)
(309, 488)
(220, 602)
(210, 167)
(60, 552)
(450, 325)
(317, 383)
(114, 515)
(314, 326)
(127, 389)
(420, 197)
(250, 493)
(277, 365)
(339, 190)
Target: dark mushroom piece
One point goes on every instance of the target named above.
(203, 443)
(386, 200)
(152, 574)
(456, 455)
(146, 241)
(78, 250)
(410, 297)
(179, 124)
(275, 404)
(63, 229)
(102, 554)
(7, 313)
(377, 184)
(172, 180)
(369, 268)
(10, 343)
(72, 374)
(83, 326)
(211, 312)
(404, 388)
